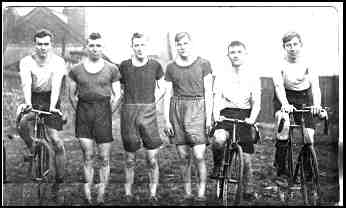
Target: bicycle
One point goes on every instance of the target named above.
(41, 160)
(229, 185)
(306, 161)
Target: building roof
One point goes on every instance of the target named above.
(43, 17)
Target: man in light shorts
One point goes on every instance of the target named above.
(93, 84)
(188, 110)
(140, 78)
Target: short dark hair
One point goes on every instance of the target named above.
(137, 35)
(43, 33)
(289, 36)
(94, 36)
(236, 43)
(181, 35)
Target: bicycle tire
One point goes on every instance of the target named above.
(233, 183)
(311, 190)
(42, 165)
(220, 180)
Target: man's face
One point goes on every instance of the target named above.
(237, 55)
(139, 46)
(94, 49)
(43, 46)
(184, 47)
(293, 47)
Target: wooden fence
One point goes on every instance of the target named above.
(329, 86)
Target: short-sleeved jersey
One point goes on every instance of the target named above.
(95, 85)
(140, 82)
(237, 90)
(188, 80)
(41, 76)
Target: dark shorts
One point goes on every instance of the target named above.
(246, 139)
(297, 99)
(94, 120)
(139, 126)
(41, 101)
(187, 116)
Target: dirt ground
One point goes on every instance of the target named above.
(19, 190)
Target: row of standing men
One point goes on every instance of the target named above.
(192, 102)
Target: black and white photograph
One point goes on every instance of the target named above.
(172, 104)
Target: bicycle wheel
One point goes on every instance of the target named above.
(219, 188)
(233, 184)
(43, 162)
(310, 177)
(220, 181)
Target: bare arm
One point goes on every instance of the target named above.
(315, 87)
(208, 94)
(167, 97)
(25, 77)
(160, 90)
(56, 86)
(116, 96)
(280, 89)
(255, 100)
(72, 92)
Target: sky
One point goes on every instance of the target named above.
(212, 28)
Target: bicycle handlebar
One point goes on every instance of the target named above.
(323, 110)
(232, 120)
(308, 109)
(236, 121)
(41, 112)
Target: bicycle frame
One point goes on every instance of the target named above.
(232, 150)
(306, 149)
(40, 144)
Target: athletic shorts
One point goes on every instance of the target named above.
(139, 126)
(94, 119)
(246, 139)
(297, 99)
(41, 101)
(187, 116)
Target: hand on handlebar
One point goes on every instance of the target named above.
(168, 130)
(24, 107)
(315, 109)
(249, 121)
(54, 110)
(287, 108)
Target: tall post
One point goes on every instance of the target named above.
(63, 46)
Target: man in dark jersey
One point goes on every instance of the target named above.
(140, 76)
(188, 110)
(41, 74)
(96, 82)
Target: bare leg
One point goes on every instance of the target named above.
(104, 150)
(185, 155)
(26, 130)
(247, 173)
(154, 171)
(309, 135)
(199, 152)
(87, 147)
(60, 158)
(130, 163)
